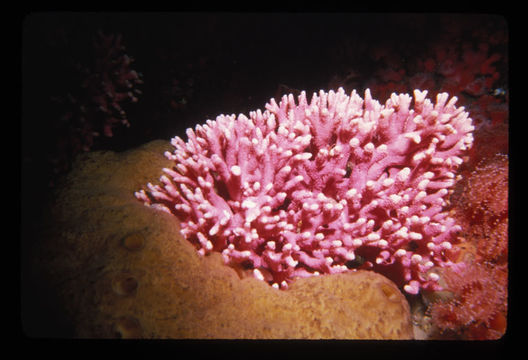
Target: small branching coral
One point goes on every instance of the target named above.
(102, 83)
(111, 83)
(322, 187)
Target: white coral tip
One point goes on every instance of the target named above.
(235, 170)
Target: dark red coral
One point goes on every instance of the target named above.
(478, 310)
(482, 209)
(479, 282)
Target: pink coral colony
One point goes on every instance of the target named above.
(322, 187)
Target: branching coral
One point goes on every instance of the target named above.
(319, 187)
(102, 84)
(111, 82)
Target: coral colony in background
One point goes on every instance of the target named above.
(321, 187)
(479, 307)
(95, 106)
